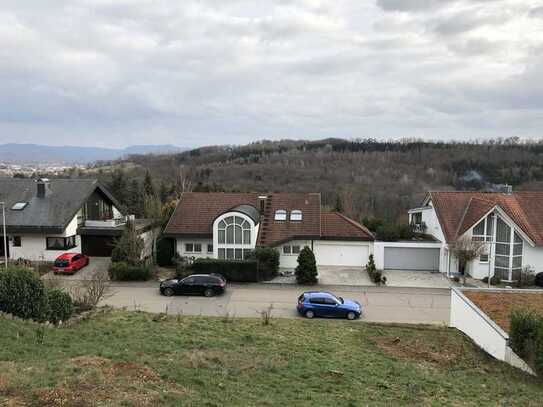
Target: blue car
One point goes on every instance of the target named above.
(323, 304)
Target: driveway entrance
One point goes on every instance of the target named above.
(341, 275)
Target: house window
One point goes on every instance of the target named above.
(509, 246)
(296, 214)
(197, 248)
(483, 258)
(295, 249)
(189, 247)
(484, 230)
(234, 230)
(280, 214)
(16, 241)
(19, 206)
(222, 253)
(210, 248)
(287, 250)
(416, 218)
(60, 243)
(291, 249)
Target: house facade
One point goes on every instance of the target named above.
(509, 224)
(45, 218)
(231, 225)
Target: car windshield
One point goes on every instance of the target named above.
(62, 263)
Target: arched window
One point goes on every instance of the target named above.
(280, 214)
(234, 230)
(296, 214)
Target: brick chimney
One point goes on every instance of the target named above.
(262, 203)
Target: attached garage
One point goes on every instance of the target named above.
(350, 254)
(97, 246)
(411, 258)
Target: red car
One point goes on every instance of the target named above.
(69, 263)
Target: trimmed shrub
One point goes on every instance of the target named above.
(268, 261)
(23, 294)
(375, 275)
(240, 271)
(60, 306)
(495, 280)
(122, 271)
(526, 337)
(306, 271)
(538, 281)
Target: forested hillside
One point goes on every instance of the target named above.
(363, 177)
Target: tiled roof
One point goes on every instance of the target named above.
(459, 211)
(337, 226)
(196, 212)
(51, 213)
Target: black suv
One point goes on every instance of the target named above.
(196, 284)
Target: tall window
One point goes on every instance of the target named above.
(508, 259)
(234, 238)
(483, 231)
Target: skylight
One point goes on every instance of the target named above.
(19, 206)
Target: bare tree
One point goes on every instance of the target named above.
(152, 208)
(183, 182)
(466, 250)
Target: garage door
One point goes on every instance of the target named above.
(98, 246)
(338, 254)
(411, 258)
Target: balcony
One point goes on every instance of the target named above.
(107, 223)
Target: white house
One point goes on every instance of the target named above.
(510, 224)
(230, 225)
(45, 218)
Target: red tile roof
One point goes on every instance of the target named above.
(196, 212)
(459, 211)
(334, 225)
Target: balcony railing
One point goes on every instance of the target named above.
(107, 223)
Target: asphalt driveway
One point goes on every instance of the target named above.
(382, 304)
(96, 264)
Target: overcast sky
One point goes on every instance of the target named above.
(189, 73)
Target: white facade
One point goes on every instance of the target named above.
(181, 248)
(34, 246)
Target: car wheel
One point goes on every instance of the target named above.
(168, 292)
(209, 292)
(309, 314)
(351, 315)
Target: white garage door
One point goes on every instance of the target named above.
(341, 254)
(411, 258)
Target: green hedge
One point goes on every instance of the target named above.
(60, 306)
(231, 270)
(23, 294)
(121, 271)
(526, 337)
(268, 261)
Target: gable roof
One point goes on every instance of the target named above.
(51, 213)
(336, 226)
(196, 212)
(458, 211)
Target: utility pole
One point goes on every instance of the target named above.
(4, 234)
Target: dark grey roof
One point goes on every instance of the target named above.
(248, 210)
(52, 213)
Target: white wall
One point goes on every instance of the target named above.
(180, 244)
(433, 227)
(532, 256)
(34, 246)
(290, 261)
(468, 318)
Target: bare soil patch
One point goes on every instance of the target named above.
(498, 305)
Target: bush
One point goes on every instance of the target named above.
(375, 275)
(372, 223)
(122, 271)
(306, 271)
(128, 247)
(538, 281)
(23, 294)
(526, 337)
(495, 280)
(232, 270)
(526, 277)
(59, 306)
(268, 261)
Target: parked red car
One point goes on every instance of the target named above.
(69, 263)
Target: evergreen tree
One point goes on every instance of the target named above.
(148, 188)
(128, 247)
(118, 186)
(306, 271)
(135, 198)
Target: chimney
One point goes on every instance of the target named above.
(43, 187)
(508, 189)
(262, 202)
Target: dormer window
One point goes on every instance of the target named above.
(280, 214)
(19, 206)
(296, 214)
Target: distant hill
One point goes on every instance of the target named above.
(41, 154)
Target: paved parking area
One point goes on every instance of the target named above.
(411, 278)
(96, 264)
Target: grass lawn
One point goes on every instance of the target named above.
(133, 358)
